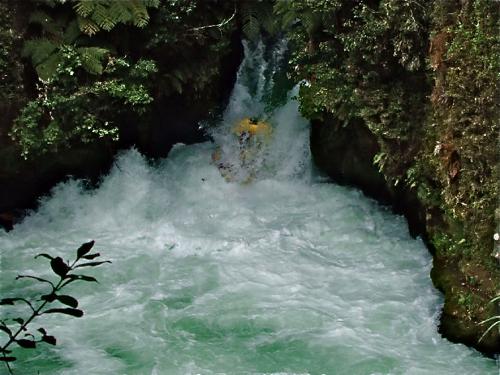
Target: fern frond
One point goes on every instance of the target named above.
(151, 3)
(87, 26)
(140, 14)
(106, 14)
(267, 20)
(311, 21)
(39, 50)
(92, 58)
(101, 16)
(256, 17)
(48, 68)
(287, 15)
(71, 33)
(120, 12)
(250, 20)
(84, 8)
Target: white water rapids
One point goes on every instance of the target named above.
(282, 275)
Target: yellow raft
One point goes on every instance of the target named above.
(252, 134)
(253, 128)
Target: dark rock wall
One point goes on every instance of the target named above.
(345, 153)
(410, 115)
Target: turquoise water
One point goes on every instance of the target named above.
(285, 274)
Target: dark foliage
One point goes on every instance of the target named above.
(24, 336)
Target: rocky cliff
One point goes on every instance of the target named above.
(403, 100)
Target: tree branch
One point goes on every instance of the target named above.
(218, 25)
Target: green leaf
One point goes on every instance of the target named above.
(489, 329)
(68, 300)
(84, 249)
(497, 298)
(27, 344)
(92, 264)
(73, 312)
(59, 267)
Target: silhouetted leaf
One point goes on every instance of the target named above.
(92, 264)
(91, 256)
(68, 300)
(27, 344)
(19, 320)
(6, 330)
(10, 301)
(59, 267)
(84, 249)
(7, 359)
(35, 278)
(88, 278)
(71, 278)
(48, 297)
(42, 331)
(49, 339)
(45, 256)
(73, 312)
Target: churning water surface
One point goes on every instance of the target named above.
(284, 274)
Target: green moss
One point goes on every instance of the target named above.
(422, 76)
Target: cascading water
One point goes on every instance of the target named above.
(284, 274)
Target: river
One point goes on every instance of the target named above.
(273, 272)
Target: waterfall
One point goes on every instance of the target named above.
(282, 274)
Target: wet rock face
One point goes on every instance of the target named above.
(23, 182)
(175, 118)
(7, 220)
(346, 153)
(452, 325)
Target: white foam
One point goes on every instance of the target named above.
(284, 275)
